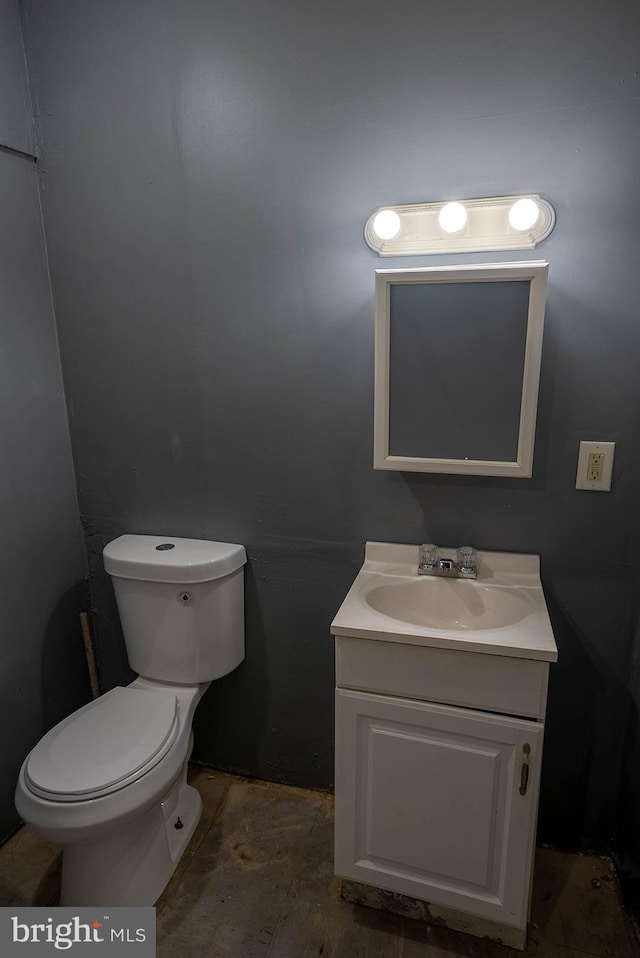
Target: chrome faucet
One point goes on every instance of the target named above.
(465, 566)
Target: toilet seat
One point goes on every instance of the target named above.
(112, 741)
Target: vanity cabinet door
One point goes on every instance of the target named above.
(429, 803)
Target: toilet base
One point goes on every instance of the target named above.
(132, 865)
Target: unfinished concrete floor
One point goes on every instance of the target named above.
(257, 882)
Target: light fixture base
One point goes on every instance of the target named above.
(487, 228)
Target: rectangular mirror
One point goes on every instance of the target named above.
(457, 368)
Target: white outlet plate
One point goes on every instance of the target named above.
(598, 485)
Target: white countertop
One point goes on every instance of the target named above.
(506, 577)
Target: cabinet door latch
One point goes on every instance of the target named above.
(524, 771)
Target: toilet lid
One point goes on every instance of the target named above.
(93, 751)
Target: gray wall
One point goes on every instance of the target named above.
(42, 562)
(16, 119)
(207, 170)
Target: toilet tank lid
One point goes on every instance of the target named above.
(171, 559)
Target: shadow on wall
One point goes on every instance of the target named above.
(111, 651)
(64, 683)
(569, 736)
(628, 831)
(587, 706)
(628, 858)
(62, 686)
(213, 734)
(272, 717)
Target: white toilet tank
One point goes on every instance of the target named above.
(181, 605)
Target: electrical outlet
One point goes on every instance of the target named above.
(595, 462)
(595, 465)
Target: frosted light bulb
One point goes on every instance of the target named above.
(452, 217)
(386, 224)
(524, 214)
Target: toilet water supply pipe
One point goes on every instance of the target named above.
(90, 654)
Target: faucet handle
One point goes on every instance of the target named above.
(428, 555)
(467, 559)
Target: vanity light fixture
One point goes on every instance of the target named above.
(472, 225)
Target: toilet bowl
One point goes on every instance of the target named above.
(108, 783)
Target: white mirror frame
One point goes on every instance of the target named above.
(535, 273)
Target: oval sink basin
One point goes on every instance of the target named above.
(449, 604)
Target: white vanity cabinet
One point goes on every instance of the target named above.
(438, 755)
(436, 801)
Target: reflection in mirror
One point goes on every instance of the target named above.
(457, 368)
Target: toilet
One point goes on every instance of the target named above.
(109, 783)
